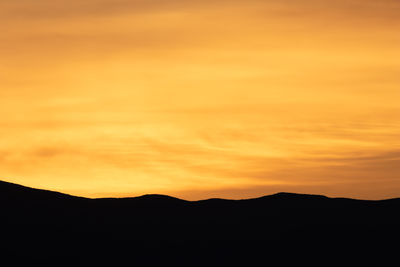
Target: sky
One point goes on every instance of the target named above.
(201, 99)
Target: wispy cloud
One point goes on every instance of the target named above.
(130, 97)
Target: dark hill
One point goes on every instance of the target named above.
(42, 227)
(15, 192)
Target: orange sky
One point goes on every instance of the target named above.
(201, 99)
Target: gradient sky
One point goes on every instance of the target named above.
(201, 98)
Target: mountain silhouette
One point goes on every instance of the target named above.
(41, 227)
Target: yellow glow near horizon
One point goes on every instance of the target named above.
(201, 99)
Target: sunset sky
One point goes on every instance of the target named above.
(202, 98)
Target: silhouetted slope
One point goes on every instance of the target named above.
(155, 230)
(15, 192)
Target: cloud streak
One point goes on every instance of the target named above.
(172, 96)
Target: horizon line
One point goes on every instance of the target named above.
(213, 198)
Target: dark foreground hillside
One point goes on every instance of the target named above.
(47, 228)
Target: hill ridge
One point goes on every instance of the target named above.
(8, 185)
